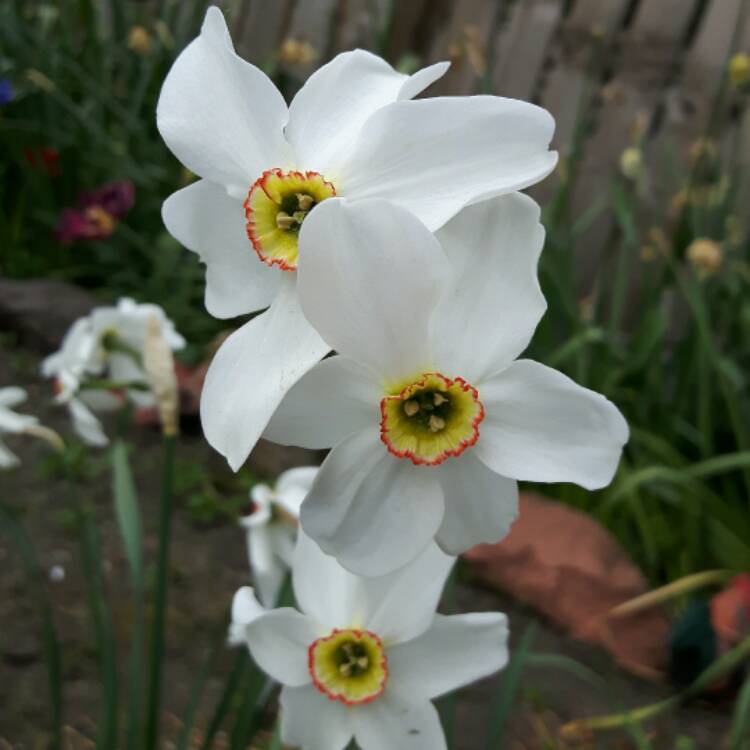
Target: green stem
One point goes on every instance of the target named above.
(162, 575)
(91, 557)
(104, 384)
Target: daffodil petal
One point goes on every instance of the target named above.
(435, 156)
(455, 651)
(251, 373)
(493, 304)
(207, 221)
(221, 116)
(372, 512)
(370, 275)
(278, 641)
(401, 605)
(336, 398)
(391, 723)
(328, 112)
(480, 505)
(310, 721)
(541, 426)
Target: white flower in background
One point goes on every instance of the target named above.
(430, 415)
(105, 345)
(351, 131)
(363, 657)
(271, 529)
(12, 423)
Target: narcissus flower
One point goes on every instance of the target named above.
(363, 658)
(430, 417)
(352, 131)
(100, 363)
(271, 528)
(12, 423)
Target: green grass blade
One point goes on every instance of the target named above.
(51, 643)
(129, 521)
(199, 685)
(507, 687)
(156, 655)
(739, 734)
(227, 698)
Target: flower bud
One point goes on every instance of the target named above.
(705, 255)
(158, 364)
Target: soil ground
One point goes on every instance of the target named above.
(208, 564)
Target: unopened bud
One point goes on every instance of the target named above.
(705, 255)
(158, 365)
(739, 69)
(139, 40)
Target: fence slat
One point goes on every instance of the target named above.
(521, 47)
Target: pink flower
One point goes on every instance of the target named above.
(97, 213)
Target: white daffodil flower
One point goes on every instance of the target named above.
(352, 131)
(105, 344)
(12, 423)
(271, 529)
(430, 415)
(362, 657)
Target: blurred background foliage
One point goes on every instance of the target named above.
(658, 321)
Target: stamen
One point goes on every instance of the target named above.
(411, 408)
(305, 202)
(436, 423)
(439, 399)
(284, 220)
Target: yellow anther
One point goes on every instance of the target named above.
(305, 202)
(345, 669)
(436, 423)
(299, 216)
(363, 662)
(284, 220)
(439, 399)
(411, 407)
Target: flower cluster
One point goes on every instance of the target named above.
(100, 363)
(391, 232)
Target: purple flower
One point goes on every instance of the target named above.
(97, 213)
(6, 92)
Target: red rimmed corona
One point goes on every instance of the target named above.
(349, 666)
(431, 419)
(276, 206)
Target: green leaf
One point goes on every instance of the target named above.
(507, 687)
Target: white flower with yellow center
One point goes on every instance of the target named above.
(363, 657)
(352, 131)
(271, 528)
(106, 344)
(12, 423)
(431, 418)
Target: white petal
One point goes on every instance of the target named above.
(326, 592)
(488, 315)
(278, 641)
(86, 425)
(435, 156)
(293, 485)
(12, 396)
(312, 722)
(207, 221)
(420, 80)
(390, 723)
(8, 459)
(455, 651)
(328, 112)
(480, 505)
(251, 373)
(15, 423)
(373, 512)
(245, 609)
(402, 605)
(268, 571)
(336, 398)
(370, 275)
(541, 426)
(220, 116)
